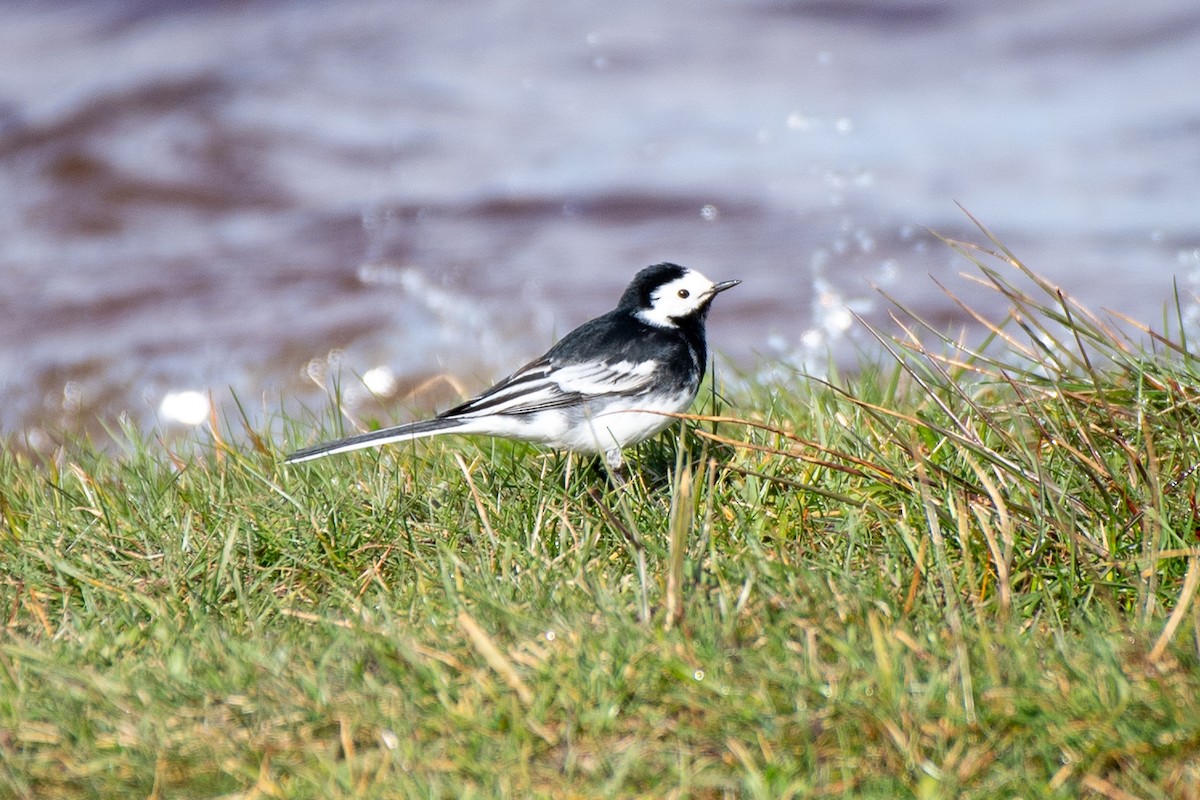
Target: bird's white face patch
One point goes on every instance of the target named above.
(682, 296)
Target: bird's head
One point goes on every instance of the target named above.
(666, 295)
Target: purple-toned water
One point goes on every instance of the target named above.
(215, 196)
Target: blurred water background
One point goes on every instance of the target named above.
(252, 198)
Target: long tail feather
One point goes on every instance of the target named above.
(400, 433)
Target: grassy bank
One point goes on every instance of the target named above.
(954, 575)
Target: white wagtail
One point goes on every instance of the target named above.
(602, 388)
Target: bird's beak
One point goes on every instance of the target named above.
(722, 286)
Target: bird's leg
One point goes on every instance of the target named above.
(616, 466)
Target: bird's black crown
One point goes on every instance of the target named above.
(640, 290)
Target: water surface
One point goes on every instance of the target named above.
(253, 197)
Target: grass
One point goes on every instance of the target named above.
(968, 571)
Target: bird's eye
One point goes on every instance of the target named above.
(684, 293)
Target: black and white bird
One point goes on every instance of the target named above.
(603, 387)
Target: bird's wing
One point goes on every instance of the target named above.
(542, 385)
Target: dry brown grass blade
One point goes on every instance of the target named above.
(1170, 344)
(500, 664)
(886, 342)
(480, 507)
(838, 497)
(864, 466)
(679, 526)
(1190, 582)
(807, 459)
(992, 328)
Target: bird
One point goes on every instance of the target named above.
(607, 385)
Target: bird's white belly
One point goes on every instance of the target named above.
(598, 428)
(625, 422)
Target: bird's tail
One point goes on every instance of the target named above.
(400, 433)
